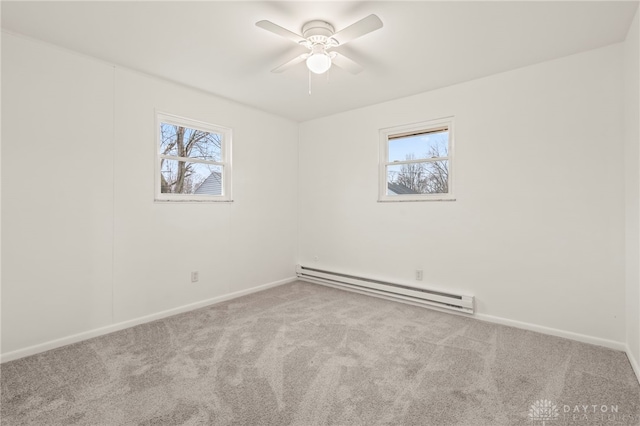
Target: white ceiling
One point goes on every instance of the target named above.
(216, 47)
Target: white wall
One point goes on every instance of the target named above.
(84, 245)
(57, 194)
(234, 246)
(632, 193)
(537, 231)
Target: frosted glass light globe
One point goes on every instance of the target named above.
(319, 63)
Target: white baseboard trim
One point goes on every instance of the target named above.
(634, 363)
(52, 344)
(612, 344)
(584, 338)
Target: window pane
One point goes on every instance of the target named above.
(416, 147)
(185, 142)
(181, 177)
(418, 178)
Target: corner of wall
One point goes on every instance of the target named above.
(631, 101)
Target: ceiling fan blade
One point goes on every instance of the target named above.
(278, 30)
(345, 63)
(294, 61)
(358, 29)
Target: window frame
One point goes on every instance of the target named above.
(225, 163)
(424, 126)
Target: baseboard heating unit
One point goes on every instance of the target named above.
(415, 295)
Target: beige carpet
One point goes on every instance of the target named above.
(304, 354)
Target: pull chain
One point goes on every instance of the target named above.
(309, 83)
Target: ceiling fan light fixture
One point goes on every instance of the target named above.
(319, 63)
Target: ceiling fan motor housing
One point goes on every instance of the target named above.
(317, 31)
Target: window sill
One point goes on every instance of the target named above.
(160, 200)
(413, 200)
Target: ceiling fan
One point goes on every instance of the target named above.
(319, 37)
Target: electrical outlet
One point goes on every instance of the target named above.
(195, 276)
(418, 274)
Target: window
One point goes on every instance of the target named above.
(416, 161)
(194, 160)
